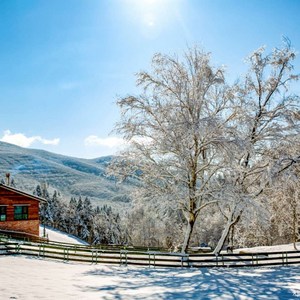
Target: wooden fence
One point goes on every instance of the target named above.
(96, 255)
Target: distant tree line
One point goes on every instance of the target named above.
(96, 225)
(141, 225)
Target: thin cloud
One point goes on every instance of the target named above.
(110, 142)
(22, 140)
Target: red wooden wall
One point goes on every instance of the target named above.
(9, 198)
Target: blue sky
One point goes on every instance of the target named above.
(65, 62)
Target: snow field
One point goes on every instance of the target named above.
(33, 278)
(27, 278)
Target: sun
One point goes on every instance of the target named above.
(152, 17)
(149, 19)
(149, 12)
(149, 2)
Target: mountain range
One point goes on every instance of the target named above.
(69, 175)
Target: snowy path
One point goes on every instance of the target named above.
(31, 278)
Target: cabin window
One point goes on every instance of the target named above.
(2, 213)
(21, 213)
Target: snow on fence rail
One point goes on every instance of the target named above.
(95, 255)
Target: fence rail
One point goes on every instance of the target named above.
(95, 255)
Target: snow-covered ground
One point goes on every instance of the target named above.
(277, 248)
(55, 235)
(33, 278)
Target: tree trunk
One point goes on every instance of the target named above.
(225, 234)
(191, 216)
(295, 235)
(231, 236)
(188, 233)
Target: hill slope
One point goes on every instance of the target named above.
(69, 175)
(55, 235)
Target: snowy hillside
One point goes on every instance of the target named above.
(55, 235)
(69, 175)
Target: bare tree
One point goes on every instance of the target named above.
(284, 197)
(268, 115)
(287, 214)
(194, 141)
(175, 130)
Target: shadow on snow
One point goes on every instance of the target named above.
(247, 283)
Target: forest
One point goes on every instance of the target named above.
(95, 225)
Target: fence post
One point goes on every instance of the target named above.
(66, 254)
(217, 263)
(42, 250)
(185, 258)
(125, 256)
(149, 258)
(95, 256)
(18, 247)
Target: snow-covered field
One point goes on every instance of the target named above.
(34, 278)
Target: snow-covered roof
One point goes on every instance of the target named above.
(15, 190)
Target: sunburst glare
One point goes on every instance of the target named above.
(152, 16)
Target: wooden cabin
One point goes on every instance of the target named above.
(19, 211)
